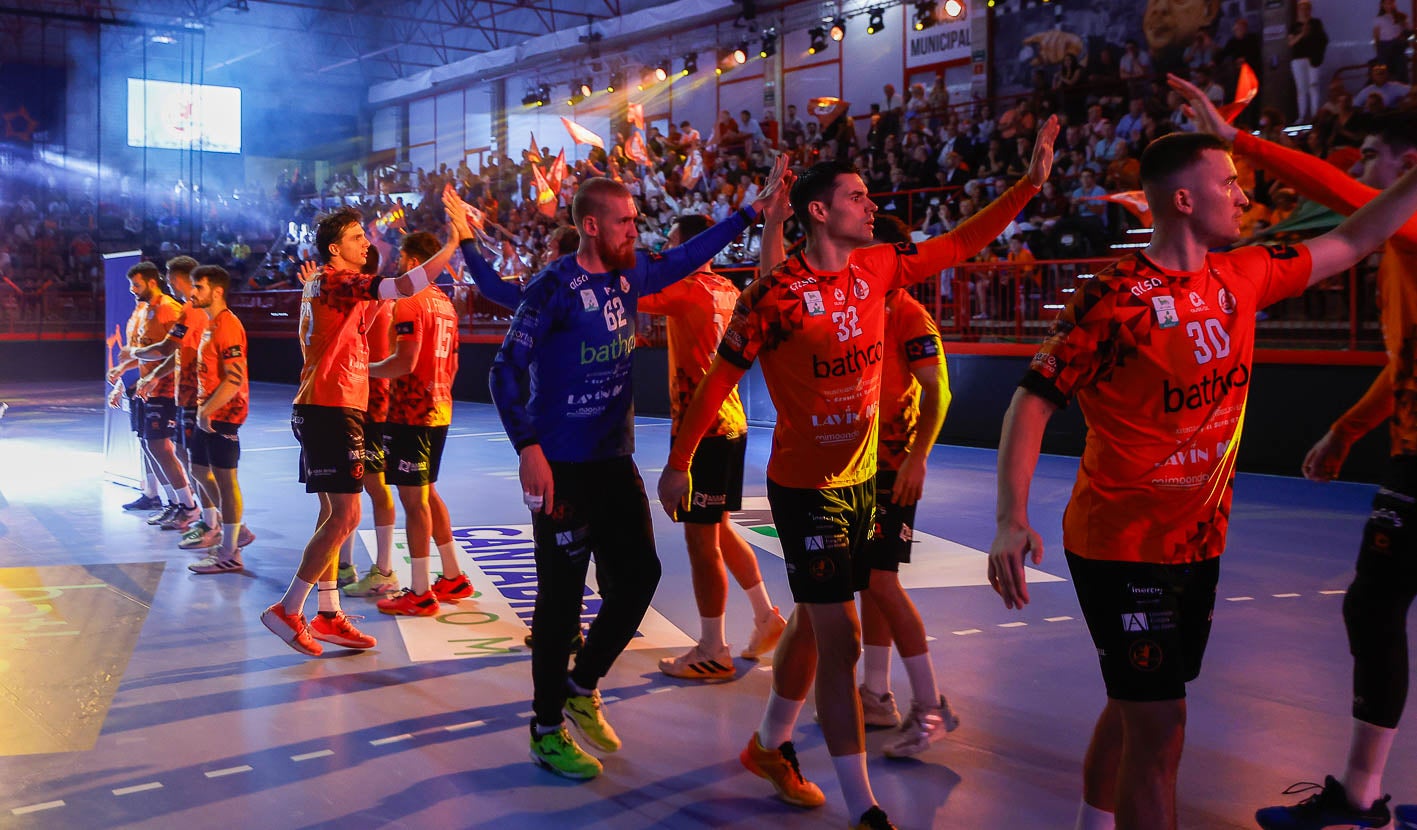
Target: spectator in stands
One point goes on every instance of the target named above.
(1134, 68)
(1243, 45)
(1130, 125)
(1380, 83)
(1086, 205)
(1205, 80)
(892, 108)
(1307, 44)
(1391, 30)
(1105, 150)
(1202, 52)
(793, 129)
(1072, 98)
(1124, 171)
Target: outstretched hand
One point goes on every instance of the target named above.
(778, 184)
(1042, 164)
(1201, 110)
(307, 271)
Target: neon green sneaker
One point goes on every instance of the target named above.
(346, 574)
(559, 752)
(375, 583)
(588, 716)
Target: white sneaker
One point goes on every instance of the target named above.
(199, 536)
(923, 726)
(767, 630)
(879, 709)
(700, 664)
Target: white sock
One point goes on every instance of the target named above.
(922, 679)
(420, 575)
(448, 552)
(184, 497)
(170, 493)
(384, 539)
(211, 516)
(855, 784)
(779, 719)
(711, 634)
(877, 660)
(230, 532)
(346, 549)
(1091, 818)
(758, 596)
(328, 597)
(151, 486)
(1367, 759)
(295, 595)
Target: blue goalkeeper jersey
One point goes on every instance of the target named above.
(563, 377)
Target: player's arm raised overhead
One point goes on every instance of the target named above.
(492, 286)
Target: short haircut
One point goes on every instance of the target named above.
(691, 225)
(1175, 152)
(592, 196)
(331, 228)
(890, 229)
(420, 245)
(565, 239)
(215, 275)
(182, 264)
(146, 270)
(817, 184)
(1397, 129)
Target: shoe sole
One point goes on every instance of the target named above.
(335, 641)
(590, 739)
(276, 624)
(452, 597)
(216, 569)
(751, 766)
(415, 613)
(690, 673)
(546, 765)
(198, 544)
(372, 592)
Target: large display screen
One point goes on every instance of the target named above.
(172, 116)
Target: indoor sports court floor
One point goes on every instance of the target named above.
(136, 694)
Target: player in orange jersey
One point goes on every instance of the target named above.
(223, 396)
(151, 485)
(1376, 605)
(328, 419)
(422, 366)
(698, 309)
(818, 324)
(1157, 350)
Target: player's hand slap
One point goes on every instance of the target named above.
(1006, 555)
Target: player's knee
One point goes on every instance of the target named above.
(1375, 614)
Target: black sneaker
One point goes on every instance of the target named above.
(577, 642)
(144, 502)
(1328, 807)
(163, 515)
(874, 819)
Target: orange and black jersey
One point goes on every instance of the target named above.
(427, 323)
(161, 315)
(336, 310)
(1160, 362)
(223, 342)
(912, 342)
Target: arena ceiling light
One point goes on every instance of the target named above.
(617, 80)
(587, 86)
(876, 22)
(954, 9)
(836, 28)
(691, 63)
(819, 40)
(769, 43)
(924, 15)
(740, 54)
(661, 72)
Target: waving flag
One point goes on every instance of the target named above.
(557, 174)
(1133, 200)
(1246, 87)
(636, 150)
(581, 135)
(693, 169)
(533, 153)
(636, 116)
(545, 196)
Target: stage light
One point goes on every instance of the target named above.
(954, 9)
(924, 15)
(617, 80)
(691, 63)
(587, 87)
(540, 96)
(819, 40)
(661, 72)
(837, 29)
(769, 43)
(740, 55)
(876, 22)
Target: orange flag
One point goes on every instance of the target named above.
(693, 169)
(1133, 200)
(636, 150)
(545, 196)
(581, 135)
(636, 116)
(1245, 90)
(557, 174)
(533, 153)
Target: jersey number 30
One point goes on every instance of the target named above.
(1210, 339)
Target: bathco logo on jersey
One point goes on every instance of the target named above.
(614, 350)
(1211, 389)
(855, 360)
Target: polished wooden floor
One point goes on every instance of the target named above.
(136, 694)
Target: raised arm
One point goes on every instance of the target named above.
(1365, 231)
(484, 276)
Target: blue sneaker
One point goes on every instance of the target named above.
(1328, 807)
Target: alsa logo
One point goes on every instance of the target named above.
(856, 360)
(797, 285)
(614, 350)
(1145, 285)
(837, 419)
(1210, 389)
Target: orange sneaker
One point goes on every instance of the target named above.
(292, 629)
(340, 631)
(780, 767)
(452, 590)
(408, 604)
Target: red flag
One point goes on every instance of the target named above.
(557, 174)
(545, 196)
(533, 153)
(636, 114)
(1245, 90)
(1133, 200)
(693, 169)
(581, 135)
(636, 150)
(1344, 158)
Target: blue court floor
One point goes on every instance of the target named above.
(136, 694)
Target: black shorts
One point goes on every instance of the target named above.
(159, 419)
(717, 476)
(220, 449)
(824, 534)
(135, 411)
(1150, 622)
(186, 435)
(412, 455)
(373, 446)
(331, 447)
(895, 527)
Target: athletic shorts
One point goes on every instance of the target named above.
(373, 445)
(412, 455)
(824, 536)
(717, 476)
(1150, 622)
(220, 449)
(894, 533)
(159, 419)
(331, 447)
(135, 411)
(186, 435)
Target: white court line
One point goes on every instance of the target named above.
(503, 440)
(657, 689)
(35, 808)
(310, 756)
(968, 631)
(221, 773)
(458, 727)
(1283, 596)
(608, 699)
(764, 668)
(1013, 625)
(1331, 593)
(1056, 619)
(1238, 599)
(473, 434)
(526, 714)
(391, 740)
(269, 449)
(138, 788)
